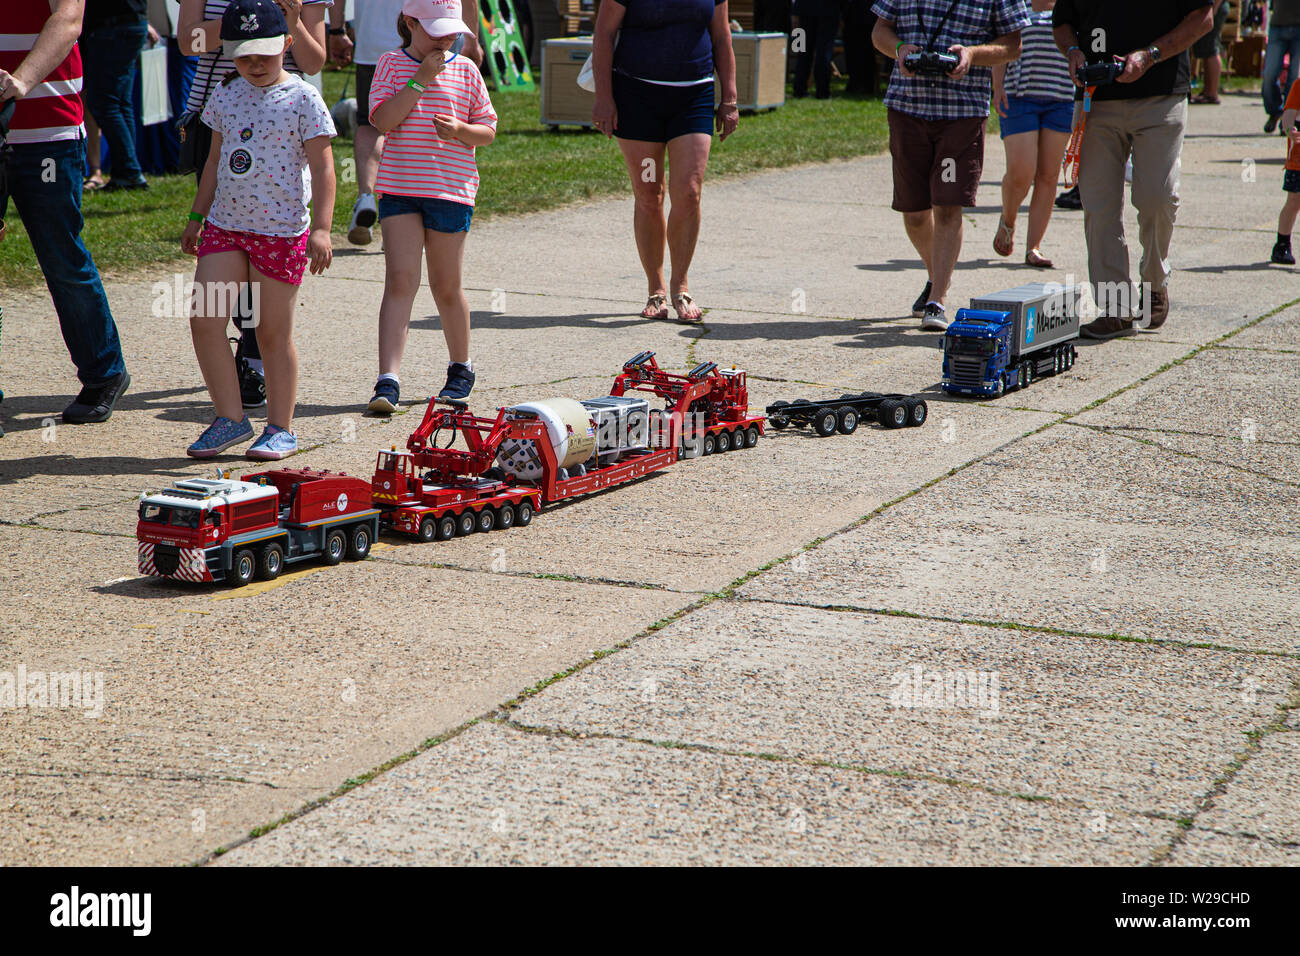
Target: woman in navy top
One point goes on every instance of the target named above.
(654, 63)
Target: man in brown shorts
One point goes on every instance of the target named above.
(937, 119)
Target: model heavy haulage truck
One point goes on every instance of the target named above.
(1005, 341)
(230, 530)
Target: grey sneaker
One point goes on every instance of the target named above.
(934, 319)
(1107, 327)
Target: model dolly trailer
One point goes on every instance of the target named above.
(232, 530)
(1005, 341)
(845, 413)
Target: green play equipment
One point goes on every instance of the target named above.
(503, 48)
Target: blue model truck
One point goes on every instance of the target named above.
(1005, 341)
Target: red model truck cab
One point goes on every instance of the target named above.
(224, 529)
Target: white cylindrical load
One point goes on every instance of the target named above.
(568, 425)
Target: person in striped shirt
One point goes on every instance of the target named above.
(40, 72)
(1034, 97)
(432, 108)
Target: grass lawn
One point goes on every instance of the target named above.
(528, 168)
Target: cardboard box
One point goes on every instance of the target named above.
(760, 70)
(564, 103)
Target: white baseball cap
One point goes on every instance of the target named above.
(439, 18)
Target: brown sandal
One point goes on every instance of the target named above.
(656, 307)
(1004, 242)
(687, 310)
(1036, 259)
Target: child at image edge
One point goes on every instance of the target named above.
(432, 108)
(250, 222)
(1290, 180)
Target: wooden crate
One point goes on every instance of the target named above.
(1232, 26)
(564, 103)
(742, 11)
(578, 16)
(1246, 56)
(760, 70)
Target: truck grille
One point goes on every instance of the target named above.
(968, 373)
(166, 558)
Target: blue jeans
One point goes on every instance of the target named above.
(1281, 40)
(108, 57)
(48, 200)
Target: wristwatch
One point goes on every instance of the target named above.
(1153, 51)
(337, 33)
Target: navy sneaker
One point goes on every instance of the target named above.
(94, 403)
(460, 382)
(252, 383)
(385, 398)
(918, 307)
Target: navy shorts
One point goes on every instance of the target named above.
(1028, 114)
(657, 114)
(440, 215)
(1291, 180)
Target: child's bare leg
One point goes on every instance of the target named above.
(403, 241)
(275, 304)
(446, 252)
(215, 276)
(1286, 219)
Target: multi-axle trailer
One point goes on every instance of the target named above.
(844, 414)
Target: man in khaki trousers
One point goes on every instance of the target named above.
(1143, 115)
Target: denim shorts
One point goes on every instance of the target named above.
(440, 215)
(1027, 114)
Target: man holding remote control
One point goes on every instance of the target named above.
(1141, 112)
(938, 104)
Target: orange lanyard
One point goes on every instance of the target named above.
(1072, 152)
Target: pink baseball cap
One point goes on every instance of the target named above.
(439, 18)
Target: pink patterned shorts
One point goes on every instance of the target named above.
(280, 257)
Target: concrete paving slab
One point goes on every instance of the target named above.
(1035, 714)
(291, 688)
(1233, 393)
(1204, 848)
(1263, 799)
(1017, 537)
(1277, 460)
(492, 796)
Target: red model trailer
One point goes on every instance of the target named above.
(230, 530)
(510, 467)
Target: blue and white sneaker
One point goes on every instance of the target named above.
(275, 443)
(385, 398)
(220, 435)
(460, 382)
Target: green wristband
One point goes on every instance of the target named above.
(897, 48)
(197, 217)
(416, 86)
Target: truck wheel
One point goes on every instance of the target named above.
(710, 444)
(466, 522)
(825, 421)
(447, 527)
(524, 513)
(270, 562)
(724, 442)
(242, 567)
(359, 545)
(917, 412)
(1000, 387)
(849, 397)
(505, 517)
(777, 420)
(848, 421)
(428, 528)
(892, 413)
(486, 520)
(751, 436)
(1069, 357)
(336, 545)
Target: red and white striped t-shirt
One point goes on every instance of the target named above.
(416, 160)
(52, 110)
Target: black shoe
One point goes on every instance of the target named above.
(252, 383)
(94, 403)
(1282, 254)
(384, 401)
(918, 307)
(460, 382)
(116, 185)
(1069, 199)
(1271, 125)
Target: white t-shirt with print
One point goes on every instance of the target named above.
(263, 181)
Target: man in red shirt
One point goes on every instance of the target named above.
(40, 69)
